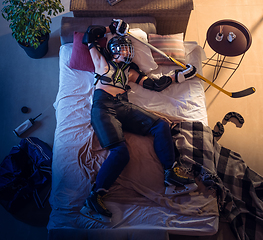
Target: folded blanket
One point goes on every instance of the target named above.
(240, 202)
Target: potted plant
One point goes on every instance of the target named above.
(30, 23)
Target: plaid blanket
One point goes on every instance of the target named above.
(241, 189)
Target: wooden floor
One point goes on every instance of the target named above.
(247, 140)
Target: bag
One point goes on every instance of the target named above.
(24, 173)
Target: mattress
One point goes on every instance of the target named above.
(72, 178)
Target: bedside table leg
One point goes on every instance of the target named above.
(218, 66)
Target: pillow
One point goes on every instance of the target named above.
(172, 45)
(143, 56)
(80, 57)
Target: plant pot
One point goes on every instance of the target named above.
(39, 52)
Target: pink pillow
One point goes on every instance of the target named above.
(172, 45)
(80, 58)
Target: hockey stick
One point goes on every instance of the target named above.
(239, 94)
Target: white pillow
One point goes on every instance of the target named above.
(143, 55)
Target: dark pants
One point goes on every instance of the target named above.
(110, 116)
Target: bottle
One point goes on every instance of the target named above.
(25, 126)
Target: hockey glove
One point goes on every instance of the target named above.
(118, 26)
(157, 84)
(93, 33)
(188, 73)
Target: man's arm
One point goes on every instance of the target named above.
(95, 32)
(137, 76)
(90, 38)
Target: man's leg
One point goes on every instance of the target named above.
(108, 173)
(163, 143)
(165, 150)
(112, 166)
(109, 132)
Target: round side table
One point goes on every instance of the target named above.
(227, 38)
(241, 40)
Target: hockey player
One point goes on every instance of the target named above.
(112, 113)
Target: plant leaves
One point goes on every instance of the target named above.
(30, 19)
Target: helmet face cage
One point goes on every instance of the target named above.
(117, 45)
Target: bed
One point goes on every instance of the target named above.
(140, 208)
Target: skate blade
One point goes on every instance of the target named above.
(89, 213)
(171, 190)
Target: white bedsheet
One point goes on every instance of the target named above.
(70, 185)
(185, 100)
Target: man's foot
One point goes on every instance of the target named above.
(177, 176)
(95, 202)
(177, 182)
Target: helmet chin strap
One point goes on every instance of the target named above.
(116, 58)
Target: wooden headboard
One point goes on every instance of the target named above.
(171, 16)
(80, 24)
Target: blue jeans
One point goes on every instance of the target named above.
(111, 116)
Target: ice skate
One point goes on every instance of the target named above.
(209, 180)
(95, 209)
(177, 183)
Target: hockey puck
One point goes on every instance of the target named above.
(24, 109)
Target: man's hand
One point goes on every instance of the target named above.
(188, 73)
(118, 26)
(93, 33)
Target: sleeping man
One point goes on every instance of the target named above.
(112, 113)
